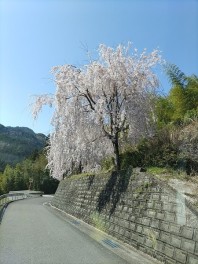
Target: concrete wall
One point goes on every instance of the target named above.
(137, 209)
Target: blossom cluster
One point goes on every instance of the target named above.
(95, 104)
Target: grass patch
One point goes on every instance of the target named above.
(97, 221)
(167, 173)
(159, 170)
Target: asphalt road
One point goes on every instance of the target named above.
(31, 233)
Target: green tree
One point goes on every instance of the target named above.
(32, 169)
(19, 181)
(8, 179)
(1, 179)
(183, 95)
(177, 100)
(164, 111)
(192, 93)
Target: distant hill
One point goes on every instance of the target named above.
(17, 143)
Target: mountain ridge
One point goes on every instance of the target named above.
(17, 143)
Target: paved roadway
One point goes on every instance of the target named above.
(31, 233)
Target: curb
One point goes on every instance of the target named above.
(2, 210)
(125, 251)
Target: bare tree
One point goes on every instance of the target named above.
(96, 104)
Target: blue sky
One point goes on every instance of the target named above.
(37, 35)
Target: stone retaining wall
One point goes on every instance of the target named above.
(136, 209)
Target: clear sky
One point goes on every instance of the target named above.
(36, 35)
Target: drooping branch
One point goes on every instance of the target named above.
(95, 104)
(90, 103)
(90, 97)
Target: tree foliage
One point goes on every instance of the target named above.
(183, 96)
(164, 111)
(175, 75)
(175, 143)
(96, 105)
(28, 174)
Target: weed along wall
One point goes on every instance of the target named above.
(137, 209)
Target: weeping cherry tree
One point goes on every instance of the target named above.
(95, 105)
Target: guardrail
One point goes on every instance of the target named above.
(9, 197)
(5, 199)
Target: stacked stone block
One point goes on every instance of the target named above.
(146, 213)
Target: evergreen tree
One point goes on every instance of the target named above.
(183, 95)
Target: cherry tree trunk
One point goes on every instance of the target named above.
(117, 153)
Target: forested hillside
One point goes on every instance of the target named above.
(23, 161)
(17, 143)
(30, 173)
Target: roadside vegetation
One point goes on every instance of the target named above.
(28, 174)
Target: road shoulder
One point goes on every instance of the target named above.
(119, 248)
